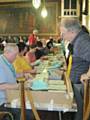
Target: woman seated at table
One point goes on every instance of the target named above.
(40, 51)
(30, 55)
(21, 64)
(31, 58)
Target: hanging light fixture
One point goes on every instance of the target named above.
(36, 3)
(44, 10)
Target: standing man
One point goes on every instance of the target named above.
(7, 74)
(33, 38)
(71, 31)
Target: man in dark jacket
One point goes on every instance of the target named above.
(72, 31)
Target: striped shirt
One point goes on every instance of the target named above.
(81, 56)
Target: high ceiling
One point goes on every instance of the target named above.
(7, 1)
(4, 1)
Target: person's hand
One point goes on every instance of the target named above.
(28, 76)
(84, 77)
(44, 58)
(33, 71)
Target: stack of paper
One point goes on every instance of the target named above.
(55, 82)
(56, 85)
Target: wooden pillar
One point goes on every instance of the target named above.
(62, 8)
(83, 15)
(89, 15)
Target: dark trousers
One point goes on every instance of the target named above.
(44, 115)
(78, 93)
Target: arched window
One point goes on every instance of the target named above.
(69, 8)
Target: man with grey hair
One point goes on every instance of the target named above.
(7, 73)
(80, 48)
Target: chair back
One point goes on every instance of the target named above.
(4, 115)
(86, 106)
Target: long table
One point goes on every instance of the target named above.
(49, 99)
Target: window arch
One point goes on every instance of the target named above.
(69, 8)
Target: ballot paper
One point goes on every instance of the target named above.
(57, 87)
(56, 82)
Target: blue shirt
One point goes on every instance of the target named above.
(7, 75)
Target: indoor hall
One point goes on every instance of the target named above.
(36, 52)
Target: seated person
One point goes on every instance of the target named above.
(30, 55)
(1, 48)
(50, 43)
(39, 50)
(8, 81)
(21, 65)
(8, 77)
(31, 58)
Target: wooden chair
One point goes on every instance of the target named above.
(29, 95)
(23, 106)
(4, 114)
(21, 81)
(86, 107)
